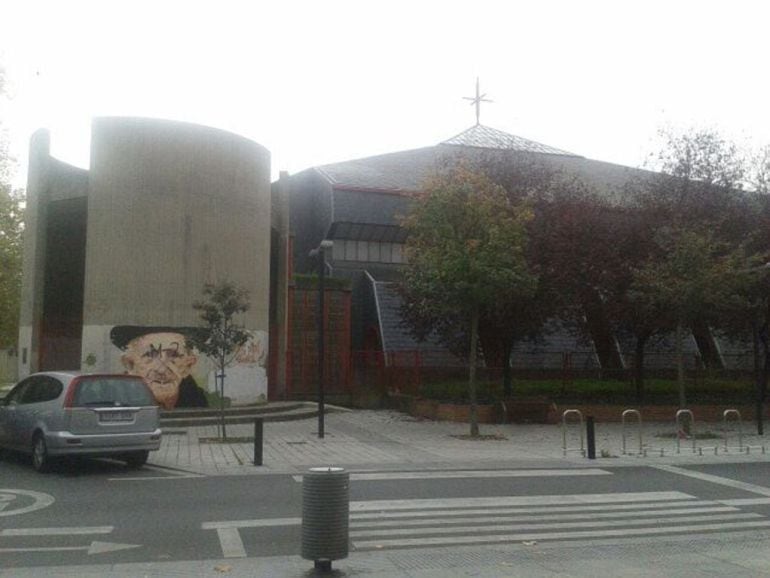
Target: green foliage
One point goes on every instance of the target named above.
(700, 156)
(689, 276)
(466, 243)
(219, 336)
(465, 246)
(311, 282)
(590, 390)
(11, 226)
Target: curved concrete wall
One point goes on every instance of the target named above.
(173, 206)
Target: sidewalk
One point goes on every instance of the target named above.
(389, 440)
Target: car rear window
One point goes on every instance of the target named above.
(112, 391)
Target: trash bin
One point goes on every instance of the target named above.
(325, 513)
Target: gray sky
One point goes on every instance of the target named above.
(325, 81)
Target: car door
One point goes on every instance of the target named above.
(9, 414)
(38, 408)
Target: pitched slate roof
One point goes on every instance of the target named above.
(490, 138)
(395, 336)
(404, 172)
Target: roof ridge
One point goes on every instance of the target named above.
(483, 136)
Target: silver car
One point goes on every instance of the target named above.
(62, 413)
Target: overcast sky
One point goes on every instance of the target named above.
(325, 81)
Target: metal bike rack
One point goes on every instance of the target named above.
(679, 415)
(623, 417)
(737, 420)
(566, 449)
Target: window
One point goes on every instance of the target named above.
(386, 252)
(351, 250)
(363, 251)
(112, 392)
(396, 255)
(374, 252)
(338, 251)
(41, 388)
(15, 395)
(368, 251)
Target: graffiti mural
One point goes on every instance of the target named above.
(246, 380)
(163, 357)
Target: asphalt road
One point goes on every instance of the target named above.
(100, 512)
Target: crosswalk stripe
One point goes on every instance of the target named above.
(376, 476)
(492, 509)
(471, 474)
(549, 526)
(746, 502)
(537, 518)
(550, 536)
(377, 505)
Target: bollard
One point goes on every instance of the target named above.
(325, 514)
(590, 437)
(258, 436)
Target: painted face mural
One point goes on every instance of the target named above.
(163, 358)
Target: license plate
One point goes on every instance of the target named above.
(113, 416)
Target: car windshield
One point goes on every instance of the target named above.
(112, 391)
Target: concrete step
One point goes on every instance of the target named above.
(288, 412)
(252, 409)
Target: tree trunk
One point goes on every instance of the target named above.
(680, 365)
(507, 373)
(760, 375)
(474, 419)
(641, 343)
(222, 398)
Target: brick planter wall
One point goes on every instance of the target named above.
(541, 411)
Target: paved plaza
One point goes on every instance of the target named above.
(387, 440)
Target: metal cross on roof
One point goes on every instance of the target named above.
(477, 100)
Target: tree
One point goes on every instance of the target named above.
(11, 227)
(528, 179)
(220, 336)
(690, 277)
(466, 251)
(589, 248)
(759, 175)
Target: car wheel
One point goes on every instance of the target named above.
(40, 459)
(137, 459)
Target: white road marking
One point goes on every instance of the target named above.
(464, 530)
(232, 545)
(472, 474)
(263, 523)
(61, 531)
(746, 502)
(538, 518)
(577, 499)
(39, 501)
(170, 475)
(93, 548)
(753, 488)
(230, 537)
(527, 510)
(543, 536)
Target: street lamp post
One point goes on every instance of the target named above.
(320, 253)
